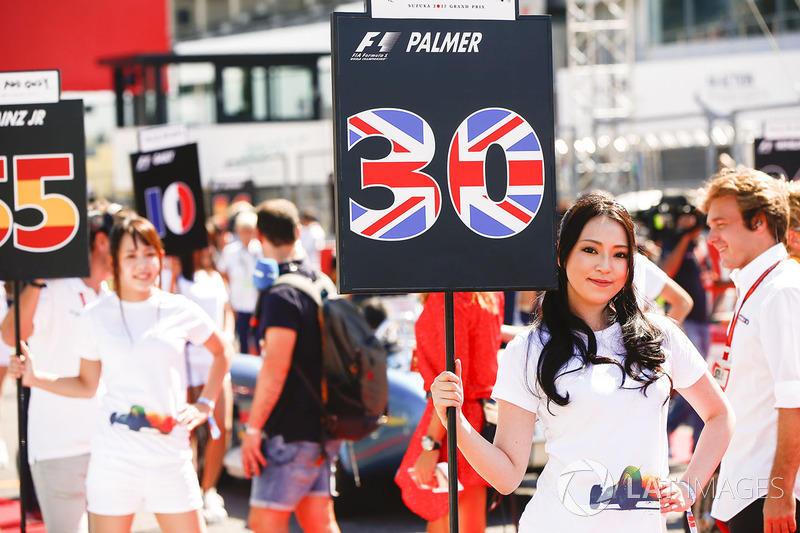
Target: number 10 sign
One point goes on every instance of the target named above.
(444, 154)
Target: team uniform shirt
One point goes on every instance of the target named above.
(207, 290)
(764, 376)
(57, 425)
(238, 263)
(649, 281)
(141, 348)
(605, 434)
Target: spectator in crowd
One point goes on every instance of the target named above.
(793, 235)
(203, 285)
(290, 468)
(478, 318)
(598, 373)
(58, 434)
(5, 352)
(748, 216)
(312, 236)
(651, 282)
(134, 340)
(237, 264)
(685, 262)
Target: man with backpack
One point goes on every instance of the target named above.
(286, 450)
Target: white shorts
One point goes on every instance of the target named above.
(5, 353)
(117, 486)
(199, 361)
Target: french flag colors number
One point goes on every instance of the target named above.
(525, 171)
(174, 210)
(59, 214)
(417, 201)
(417, 198)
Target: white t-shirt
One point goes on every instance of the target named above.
(648, 280)
(239, 263)
(765, 376)
(141, 346)
(57, 425)
(209, 292)
(5, 350)
(603, 432)
(312, 236)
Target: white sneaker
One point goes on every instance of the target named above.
(214, 507)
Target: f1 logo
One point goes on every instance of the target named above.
(386, 44)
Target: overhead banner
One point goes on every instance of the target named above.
(779, 157)
(445, 177)
(43, 230)
(166, 190)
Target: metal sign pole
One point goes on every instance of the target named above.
(452, 445)
(22, 417)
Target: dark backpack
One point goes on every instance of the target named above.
(355, 388)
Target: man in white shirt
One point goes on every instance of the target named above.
(758, 487)
(59, 428)
(237, 263)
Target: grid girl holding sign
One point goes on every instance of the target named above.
(598, 373)
(135, 340)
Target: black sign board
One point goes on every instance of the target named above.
(445, 177)
(224, 193)
(43, 230)
(779, 157)
(166, 190)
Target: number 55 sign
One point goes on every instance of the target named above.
(444, 154)
(43, 191)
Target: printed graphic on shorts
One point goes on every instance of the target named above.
(587, 488)
(137, 419)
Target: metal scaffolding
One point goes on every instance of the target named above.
(600, 56)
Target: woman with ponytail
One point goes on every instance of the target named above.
(598, 373)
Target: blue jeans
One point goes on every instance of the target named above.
(294, 470)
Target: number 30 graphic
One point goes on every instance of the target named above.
(59, 214)
(417, 198)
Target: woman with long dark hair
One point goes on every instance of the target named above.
(134, 339)
(598, 373)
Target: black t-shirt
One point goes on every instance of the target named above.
(297, 415)
(689, 277)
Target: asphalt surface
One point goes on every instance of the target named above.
(377, 506)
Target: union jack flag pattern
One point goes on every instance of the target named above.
(417, 198)
(525, 173)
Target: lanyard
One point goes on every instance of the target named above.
(735, 319)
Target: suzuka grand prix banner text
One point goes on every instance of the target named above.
(445, 175)
(166, 190)
(43, 233)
